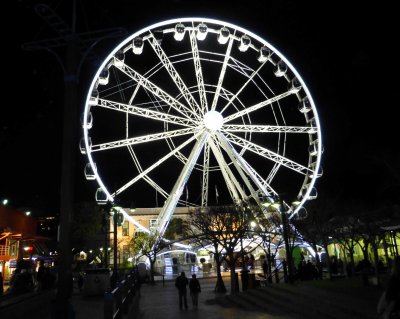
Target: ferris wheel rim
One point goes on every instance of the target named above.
(218, 22)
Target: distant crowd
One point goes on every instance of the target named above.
(26, 277)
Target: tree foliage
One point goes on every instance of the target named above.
(147, 244)
(86, 225)
(223, 228)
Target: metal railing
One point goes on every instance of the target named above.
(117, 302)
(4, 250)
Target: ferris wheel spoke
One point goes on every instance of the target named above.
(206, 173)
(242, 168)
(272, 173)
(141, 139)
(199, 73)
(170, 204)
(157, 91)
(242, 88)
(140, 170)
(230, 179)
(256, 106)
(222, 74)
(261, 180)
(253, 192)
(174, 74)
(145, 112)
(156, 164)
(149, 180)
(268, 129)
(268, 154)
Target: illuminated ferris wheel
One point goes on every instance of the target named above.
(202, 107)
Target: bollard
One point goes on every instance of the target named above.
(108, 305)
(245, 279)
(285, 272)
(269, 279)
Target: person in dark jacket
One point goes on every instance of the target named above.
(181, 283)
(195, 289)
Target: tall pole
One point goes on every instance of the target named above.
(67, 197)
(289, 258)
(77, 50)
(115, 220)
(106, 231)
(395, 242)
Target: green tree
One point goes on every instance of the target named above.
(86, 227)
(149, 245)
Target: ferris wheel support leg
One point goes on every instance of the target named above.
(206, 173)
(241, 166)
(227, 174)
(253, 192)
(177, 190)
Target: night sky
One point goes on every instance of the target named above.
(344, 50)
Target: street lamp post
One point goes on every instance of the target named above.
(269, 257)
(276, 204)
(117, 221)
(115, 240)
(244, 268)
(106, 228)
(77, 50)
(289, 258)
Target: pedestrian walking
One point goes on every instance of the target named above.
(40, 275)
(80, 281)
(195, 289)
(265, 267)
(181, 283)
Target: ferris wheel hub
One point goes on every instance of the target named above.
(213, 120)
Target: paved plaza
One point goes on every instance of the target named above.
(337, 299)
(328, 299)
(160, 301)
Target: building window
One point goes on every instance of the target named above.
(125, 228)
(125, 252)
(153, 223)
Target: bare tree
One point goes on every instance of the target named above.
(316, 229)
(346, 232)
(224, 227)
(270, 230)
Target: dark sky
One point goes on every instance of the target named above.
(344, 50)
